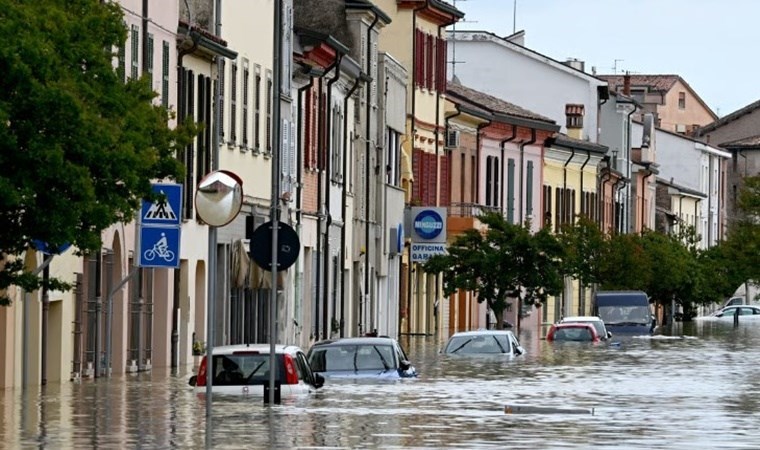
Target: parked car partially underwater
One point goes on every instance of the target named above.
(244, 369)
(483, 342)
(597, 322)
(750, 312)
(361, 357)
(572, 332)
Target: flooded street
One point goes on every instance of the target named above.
(692, 387)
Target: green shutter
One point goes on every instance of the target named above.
(511, 190)
(165, 74)
(529, 190)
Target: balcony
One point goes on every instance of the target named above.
(464, 216)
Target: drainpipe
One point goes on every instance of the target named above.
(615, 191)
(446, 136)
(643, 197)
(367, 173)
(413, 125)
(321, 137)
(601, 191)
(145, 35)
(477, 160)
(328, 183)
(626, 211)
(522, 169)
(501, 146)
(299, 176)
(564, 181)
(321, 123)
(588, 157)
(344, 203)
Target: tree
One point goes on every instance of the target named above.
(501, 263)
(79, 147)
(584, 247)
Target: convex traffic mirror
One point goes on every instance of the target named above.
(219, 198)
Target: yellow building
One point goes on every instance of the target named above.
(416, 37)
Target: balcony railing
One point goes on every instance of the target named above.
(470, 209)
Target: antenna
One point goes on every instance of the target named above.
(514, 17)
(614, 67)
(454, 60)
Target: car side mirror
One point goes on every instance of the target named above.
(193, 380)
(319, 380)
(519, 350)
(609, 334)
(404, 365)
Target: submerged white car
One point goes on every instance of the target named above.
(483, 342)
(244, 369)
(745, 312)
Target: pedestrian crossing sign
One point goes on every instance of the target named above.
(167, 209)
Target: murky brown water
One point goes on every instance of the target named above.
(697, 387)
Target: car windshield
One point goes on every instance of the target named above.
(241, 369)
(581, 334)
(352, 358)
(618, 315)
(490, 343)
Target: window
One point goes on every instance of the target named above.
(135, 50)
(682, 100)
(394, 157)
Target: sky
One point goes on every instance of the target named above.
(712, 44)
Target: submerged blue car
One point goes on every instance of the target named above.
(363, 357)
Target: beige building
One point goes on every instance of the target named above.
(675, 105)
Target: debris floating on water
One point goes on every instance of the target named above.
(521, 409)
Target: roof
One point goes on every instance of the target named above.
(682, 189)
(563, 140)
(493, 104)
(729, 118)
(480, 35)
(748, 142)
(656, 82)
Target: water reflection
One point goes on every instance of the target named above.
(693, 387)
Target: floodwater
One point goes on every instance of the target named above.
(695, 386)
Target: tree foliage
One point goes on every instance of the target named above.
(79, 147)
(501, 263)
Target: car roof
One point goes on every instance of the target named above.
(574, 325)
(581, 319)
(482, 333)
(356, 341)
(260, 348)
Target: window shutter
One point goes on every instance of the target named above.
(245, 103)
(135, 50)
(121, 70)
(149, 62)
(511, 190)
(270, 93)
(222, 83)
(165, 74)
(233, 102)
(529, 190)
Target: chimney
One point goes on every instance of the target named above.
(627, 84)
(575, 63)
(574, 114)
